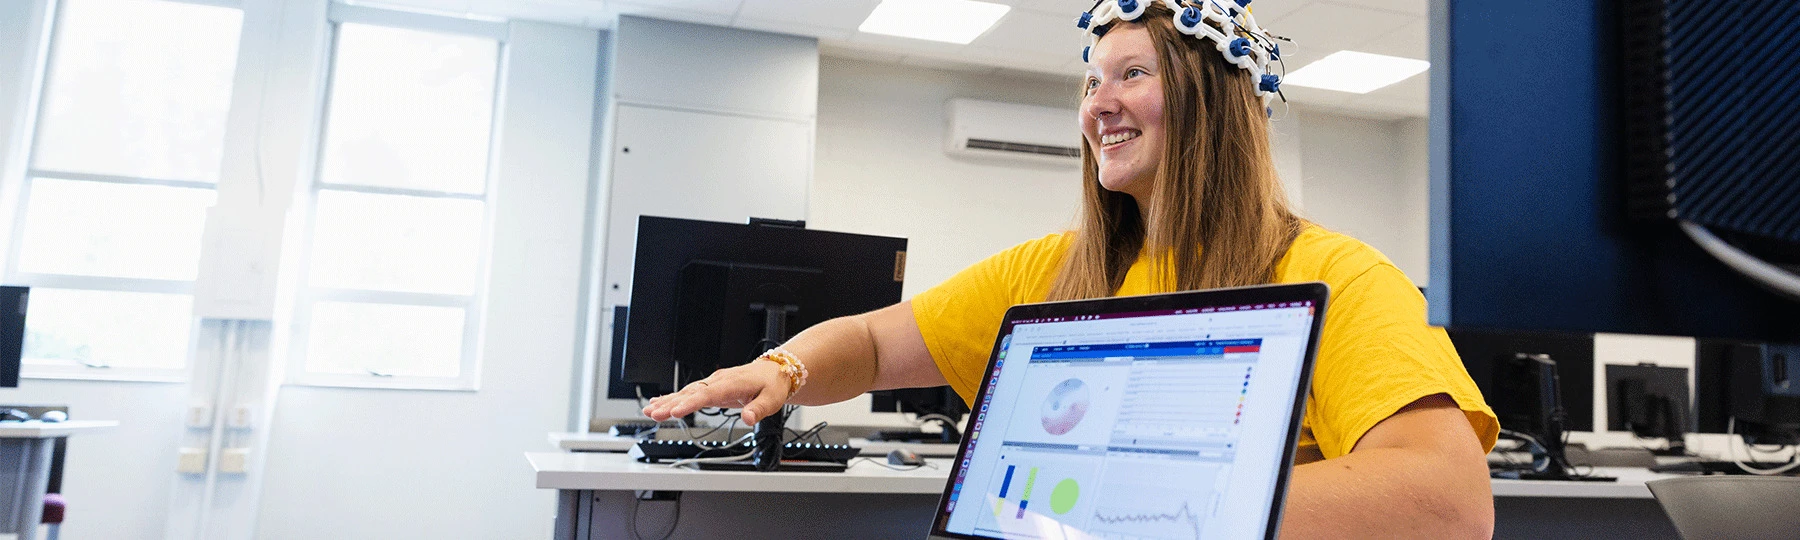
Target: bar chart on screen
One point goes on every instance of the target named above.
(1039, 494)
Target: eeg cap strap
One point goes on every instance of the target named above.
(1232, 30)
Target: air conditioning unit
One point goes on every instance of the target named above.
(990, 129)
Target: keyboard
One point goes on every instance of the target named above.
(633, 428)
(912, 435)
(656, 451)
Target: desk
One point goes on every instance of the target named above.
(25, 450)
(1554, 509)
(602, 442)
(596, 499)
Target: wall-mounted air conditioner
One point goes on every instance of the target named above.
(989, 129)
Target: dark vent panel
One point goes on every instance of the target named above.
(1734, 114)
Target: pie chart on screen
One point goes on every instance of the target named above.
(1065, 406)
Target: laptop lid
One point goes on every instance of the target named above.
(1159, 416)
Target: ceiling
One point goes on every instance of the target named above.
(1037, 36)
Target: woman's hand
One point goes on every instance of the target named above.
(758, 388)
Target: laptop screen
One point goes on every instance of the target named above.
(1149, 424)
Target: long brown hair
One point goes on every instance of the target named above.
(1219, 214)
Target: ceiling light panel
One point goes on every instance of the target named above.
(1355, 72)
(948, 21)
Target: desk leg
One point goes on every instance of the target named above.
(572, 509)
(24, 474)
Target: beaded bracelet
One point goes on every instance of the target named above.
(790, 366)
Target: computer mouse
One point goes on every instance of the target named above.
(15, 415)
(54, 416)
(904, 457)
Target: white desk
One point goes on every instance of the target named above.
(25, 449)
(597, 500)
(597, 471)
(1630, 485)
(602, 442)
(598, 496)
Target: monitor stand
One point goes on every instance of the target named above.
(771, 429)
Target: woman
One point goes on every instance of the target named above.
(1181, 194)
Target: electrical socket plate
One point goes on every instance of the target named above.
(235, 461)
(193, 461)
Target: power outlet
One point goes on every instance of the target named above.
(235, 461)
(192, 461)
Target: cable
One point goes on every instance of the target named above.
(923, 418)
(728, 429)
(693, 461)
(726, 426)
(816, 432)
(1541, 460)
(1768, 275)
(673, 522)
(1731, 429)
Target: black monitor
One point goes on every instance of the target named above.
(1504, 365)
(1583, 164)
(1651, 402)
(940, 400)
(707, 295)
(13, 301)
(1742, 372)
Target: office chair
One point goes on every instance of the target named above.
(1708, 507)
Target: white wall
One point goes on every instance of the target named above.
(359, 463)
(1367, 178)
(117, 482)
(1414, 181)
(881, 169)
(707, 123)
(22, 34)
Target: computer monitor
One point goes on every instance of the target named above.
(1651, 402)
(939, 400)
(1738, 372)
(13, 301)
(1580, 161)
(1497, 362)
(707, 295)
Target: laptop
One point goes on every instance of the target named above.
(1158, 416)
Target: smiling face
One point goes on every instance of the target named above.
(1122, 110)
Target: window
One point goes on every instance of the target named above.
(398, 241)
(123, 164)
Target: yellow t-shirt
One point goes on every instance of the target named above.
(1376, 354)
